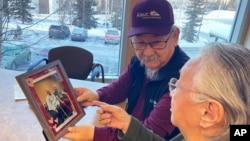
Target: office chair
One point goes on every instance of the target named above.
(77, 62)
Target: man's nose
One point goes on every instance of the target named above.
(148, 50)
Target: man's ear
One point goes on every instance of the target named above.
(212, 112)
(175, 34)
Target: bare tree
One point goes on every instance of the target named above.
(64, 10)
(5, 15)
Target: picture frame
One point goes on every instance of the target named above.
(52, 99)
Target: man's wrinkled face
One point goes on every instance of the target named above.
(55, 88)
(151, 57)
(48, 92)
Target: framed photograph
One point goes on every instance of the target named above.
(52, 98)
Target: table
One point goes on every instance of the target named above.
(18, 122)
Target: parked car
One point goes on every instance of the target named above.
(112, 36)
(59, 31)
(15, 54)
(79, 34)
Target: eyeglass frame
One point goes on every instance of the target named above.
(150, 44)
(172, 86)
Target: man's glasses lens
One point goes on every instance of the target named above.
(154, 45)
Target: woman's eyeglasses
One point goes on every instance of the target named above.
(172, 86)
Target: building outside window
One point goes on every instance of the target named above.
(200, 22)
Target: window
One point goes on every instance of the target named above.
(53, 26)
(214, 22)
(218, 20)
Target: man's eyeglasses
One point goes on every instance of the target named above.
(154, 45)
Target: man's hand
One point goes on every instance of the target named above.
(80, 133)
(85, 96)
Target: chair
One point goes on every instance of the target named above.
(77, 62)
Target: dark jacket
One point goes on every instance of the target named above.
(132, 84)
(157, 87)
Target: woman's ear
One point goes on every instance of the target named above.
(212, 114)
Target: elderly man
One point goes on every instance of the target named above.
(54, 109)
(158, 58)
(65, 103)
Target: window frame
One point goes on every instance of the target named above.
(241, 22)
(124, 45)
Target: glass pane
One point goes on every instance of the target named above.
(203, 21)
(57, 23)
(214, 22)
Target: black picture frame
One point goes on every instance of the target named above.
(55, 110)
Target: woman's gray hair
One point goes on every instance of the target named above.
(224, 75)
